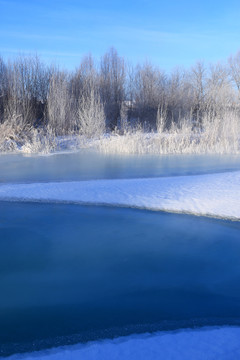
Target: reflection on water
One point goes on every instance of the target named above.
(69, 269)
(90, 165)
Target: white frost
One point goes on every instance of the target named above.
(203, 344)
(213, 194)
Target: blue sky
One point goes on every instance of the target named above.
(169, 33)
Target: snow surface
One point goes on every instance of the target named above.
(215, 195)
(202, 344)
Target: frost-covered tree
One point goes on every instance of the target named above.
(197, 81)
(219, 95)
(91, 115)
(60, 111)
(85, 78)
(3, 88)
(234, 70)
(26, 88)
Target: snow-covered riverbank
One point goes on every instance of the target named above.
(214, 195)
(207, 343)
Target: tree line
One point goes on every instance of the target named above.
(113, 94)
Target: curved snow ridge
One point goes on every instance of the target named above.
(216, 195)
(207, 343)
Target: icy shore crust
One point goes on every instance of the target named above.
(216, 195)
(207, 343)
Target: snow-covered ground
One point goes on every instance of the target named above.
(215, 195)
(202, 344)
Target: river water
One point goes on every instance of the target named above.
(72, 273)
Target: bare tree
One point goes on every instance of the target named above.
(179, 97)
(149, 92)
(85, 78)
(198, 81)
(219, 95)
(112, 85)
(27, 86)
(234, 69)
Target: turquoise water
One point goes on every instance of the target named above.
(71, 273)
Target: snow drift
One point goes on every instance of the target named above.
(214, 195)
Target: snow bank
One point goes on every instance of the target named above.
(202, 344)
(215, 195)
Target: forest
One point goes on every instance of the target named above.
(118, 106)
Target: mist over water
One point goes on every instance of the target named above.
(85, 165)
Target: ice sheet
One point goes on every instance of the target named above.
(214, 194)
